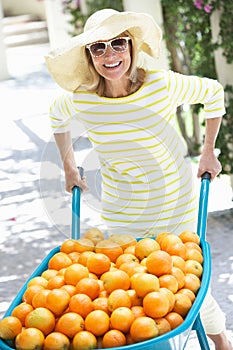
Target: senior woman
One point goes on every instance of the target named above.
(128, 112)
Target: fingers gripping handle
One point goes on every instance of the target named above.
(76, 195)
(203, 205)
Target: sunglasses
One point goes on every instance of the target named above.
(99, 48)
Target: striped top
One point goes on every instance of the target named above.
(147, 182)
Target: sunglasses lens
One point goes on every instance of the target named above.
(98, 49)
(119, 44)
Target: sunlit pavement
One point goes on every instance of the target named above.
(35, 213)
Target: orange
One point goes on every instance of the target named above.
(84, 244)
(170, 282)
(81, 304)
(193, 245)
(117, 279)
(189, 236)
(97, 322)
(124, 240)
(125, 258)
(179, 262)
(10, 327)
(132, 267)
(129, 340)
(57, 301)
(194, 254)
(30, 338)
(74, 273)
(134, 298)
(30, 292)
(122, 318)
(39, 299)
(144, 283)
(118, 298)
(88, 286)
(163, 325)
(109, 248)
(138, 311)
(159, 263)
(177, 249)
(174, 319)
(82, 259)
(93, 275)
(192, 282)
(21, 311)
(98, 263)
(161, 236)
(143, 328)
(70, 289)
(68, 246)
(39, 280)
(156, 304)
(179, 275)
(74, 256)
(193, 266)
(49, 273)
(145, 246)
(169, 240)
(56, 341)
(187, 292)
(59, 261)
(130, 250)
(61, 272)
(113, 338)
(84, 340)
(101, 303)
(56, 282)
(182, 304)
(94, 234)
(42, 319)
(69, 324)
(170, 295)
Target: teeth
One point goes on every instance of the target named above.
(112, 65)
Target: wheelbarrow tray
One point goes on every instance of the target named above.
(178, 337)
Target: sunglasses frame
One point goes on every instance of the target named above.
(108, 43)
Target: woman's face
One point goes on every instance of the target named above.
(113, 64)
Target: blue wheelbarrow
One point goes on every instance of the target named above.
(177, 338)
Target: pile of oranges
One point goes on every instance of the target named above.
(102, 293)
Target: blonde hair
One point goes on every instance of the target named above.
(136, 74)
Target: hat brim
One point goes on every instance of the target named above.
(69, 66)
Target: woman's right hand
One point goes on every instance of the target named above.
(73, 179)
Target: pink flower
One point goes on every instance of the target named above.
(207, 8)
(198, 4)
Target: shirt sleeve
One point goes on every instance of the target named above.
(193, 89)
(61, 112)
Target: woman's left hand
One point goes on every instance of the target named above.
(209, 163)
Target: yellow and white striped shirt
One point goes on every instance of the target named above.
(147, 182)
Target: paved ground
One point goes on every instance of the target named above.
(35, 211)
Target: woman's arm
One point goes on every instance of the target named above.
(64, 144)
(208, 161)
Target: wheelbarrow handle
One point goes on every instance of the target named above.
(76, 195)
(203, 205)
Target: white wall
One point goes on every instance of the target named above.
(152, 7)
(22, 7)
(223, 69)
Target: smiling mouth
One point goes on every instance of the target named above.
(113, 65)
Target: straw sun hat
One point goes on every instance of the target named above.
(69, 66)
